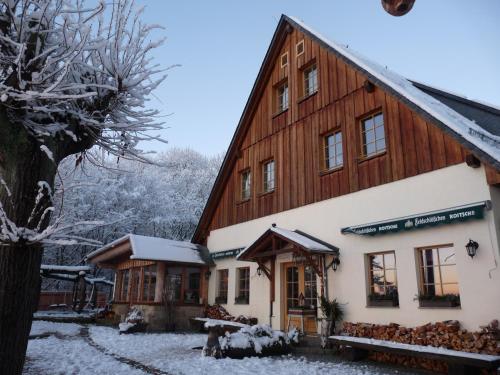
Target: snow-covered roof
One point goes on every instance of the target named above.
(53, 267)
(466, 128)
(301, 239)
(156, 248)
(472, 123)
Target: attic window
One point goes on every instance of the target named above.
(299, 48)
(284, 60)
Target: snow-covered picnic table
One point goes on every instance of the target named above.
(216, 328)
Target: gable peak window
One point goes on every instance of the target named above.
(246, 184)
(284, 60)
(373, 134)
(268, 176)
(282, 97)
(299, 48)
(333, 155)
(310, 80)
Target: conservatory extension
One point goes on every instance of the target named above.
(167, 279)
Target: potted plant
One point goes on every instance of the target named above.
(333, 312)
(445, 300)
(390, 299)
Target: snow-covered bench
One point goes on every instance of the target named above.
(458, 362)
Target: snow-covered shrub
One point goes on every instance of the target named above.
(257, 340)
(134, 321)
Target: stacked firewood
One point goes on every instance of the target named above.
(447, 334)
(219, 312)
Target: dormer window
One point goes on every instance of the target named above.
(282, 97)
(310, 80)
(284, 60)
(246, 183)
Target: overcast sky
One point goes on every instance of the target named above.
(220, 45)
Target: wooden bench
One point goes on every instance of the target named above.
(458, 362)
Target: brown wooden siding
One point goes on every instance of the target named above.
(294, 140)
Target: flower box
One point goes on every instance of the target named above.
(448, 300)
(242, 300)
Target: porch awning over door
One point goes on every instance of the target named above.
(276, 240)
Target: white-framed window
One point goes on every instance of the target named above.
(284, 60)
(222, 284)
(299, 48)
(246, 184)
(373, 134)
(268, 176)
(333, 155)
(382, 278)
(310, 80)
(243, 285)
(282, 97)
(438, 277)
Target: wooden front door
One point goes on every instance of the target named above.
(300, 291)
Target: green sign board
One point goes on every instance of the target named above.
(226, 253)
(474, 211)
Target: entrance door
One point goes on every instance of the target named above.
(300, 293)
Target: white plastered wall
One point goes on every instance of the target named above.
(479, 278)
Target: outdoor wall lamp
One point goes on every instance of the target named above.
(471, 248)
(259, 271)
(335, 263)
(207, 275)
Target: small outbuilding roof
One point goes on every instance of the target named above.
(303, 240)
(156, 248)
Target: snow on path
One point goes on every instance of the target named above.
(55, 356)
(173, 353)
(40, 327)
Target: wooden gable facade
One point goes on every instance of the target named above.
(294, 138)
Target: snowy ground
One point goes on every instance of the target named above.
(72, 353)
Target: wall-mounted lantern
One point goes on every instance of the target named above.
(335, 263)
(207, 275)
(471, 248)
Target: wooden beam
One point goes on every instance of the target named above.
(272, 280)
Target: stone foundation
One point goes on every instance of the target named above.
(156, 316)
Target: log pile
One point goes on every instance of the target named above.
(447, 334)
(219, 312)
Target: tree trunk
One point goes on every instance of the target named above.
(19, 292)
(22, 166)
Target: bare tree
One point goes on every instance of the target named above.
(71, 77)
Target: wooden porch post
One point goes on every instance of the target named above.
(160, 281)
